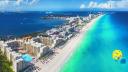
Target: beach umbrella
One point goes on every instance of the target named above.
(26, 57)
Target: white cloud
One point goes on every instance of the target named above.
(33, 1)
(16, 3)
(110, 4)
(2, 3)
(119, 4)
(27, 2)
(93, 4)
(82, 6)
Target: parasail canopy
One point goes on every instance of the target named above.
(117, 54)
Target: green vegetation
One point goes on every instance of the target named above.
(5, 65)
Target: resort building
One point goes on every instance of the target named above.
(13, 57)
(14, 49)
(40, 45)
(46, 40)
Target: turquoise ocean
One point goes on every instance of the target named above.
(94, 52)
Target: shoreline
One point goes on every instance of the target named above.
(33, 34)
(65, 53)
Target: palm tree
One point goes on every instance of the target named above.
(5, 65)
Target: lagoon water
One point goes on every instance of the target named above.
(21, 23)
(17, 24)
(94, 53)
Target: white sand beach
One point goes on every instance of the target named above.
(65, 53)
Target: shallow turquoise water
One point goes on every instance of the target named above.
(94, 53)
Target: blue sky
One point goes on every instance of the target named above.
(62, 5)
